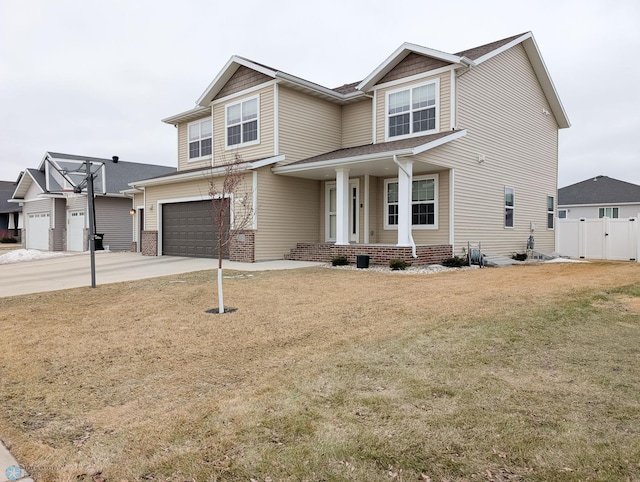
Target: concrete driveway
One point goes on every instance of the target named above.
(75, 270)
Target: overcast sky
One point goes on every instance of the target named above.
(95, 77)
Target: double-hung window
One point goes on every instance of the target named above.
(550, 211)
(424, 193)
(200, 134)
(242, 123)
(509, 207)
(608, 213)
(412, 111)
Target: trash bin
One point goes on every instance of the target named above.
(362, 261)
(98, 241)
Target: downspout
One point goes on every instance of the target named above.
(414, 253)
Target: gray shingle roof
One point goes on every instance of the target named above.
(599, 190)
(6, 193)
(375, 148)
(119, 174)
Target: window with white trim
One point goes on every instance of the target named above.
(509, 207)
(241, 121)
(608, 212)
(424, 209)
(412, 111)
(550, 211)
(562, 214)
(200, 138)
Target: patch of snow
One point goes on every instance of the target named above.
(566, 260)
(20, 255)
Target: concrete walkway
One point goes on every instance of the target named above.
(74, 271)
(9, 468)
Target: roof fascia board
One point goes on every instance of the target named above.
(504, 48)
(439, 142)
(342, 161)
(310, 85)
(398, 55)
(413, 78)
(371, 157)
(187, 115)
(205, 173)
(25, 188)
(595, 205)
(226, 73)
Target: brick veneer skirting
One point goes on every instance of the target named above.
(378, 253)
(134, 246)
(149, 243)
(242, 247)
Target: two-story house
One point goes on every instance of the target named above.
(430, 152)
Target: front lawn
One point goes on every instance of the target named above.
(519, 373)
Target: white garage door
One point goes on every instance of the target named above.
(75, 231)
(38, 231)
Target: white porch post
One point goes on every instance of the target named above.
(342, 206)
(405, 180)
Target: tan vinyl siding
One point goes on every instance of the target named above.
(183, 150)
(114, 221)
(40, 206)
(444, 117)
(501, 104)
(308, 126)
(262, 150)
(357, 124)
(420, 236)
(287, 213)
(192, 190)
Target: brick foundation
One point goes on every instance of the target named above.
(379, 254)
(242, 247)
(149, 243)
(134, 246)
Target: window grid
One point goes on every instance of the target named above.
(423, 202)
(200, 138)
(412, 111)
(242, 122)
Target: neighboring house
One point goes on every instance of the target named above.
(430, 152)
(599, 197)
(56, 216)
(10, 221)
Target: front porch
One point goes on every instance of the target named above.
(379, 254)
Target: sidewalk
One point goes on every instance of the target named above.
(9, 468)
(74, 271)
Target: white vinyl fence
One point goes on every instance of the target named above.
(603, 238)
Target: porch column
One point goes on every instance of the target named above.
(405, 180)
(342, 206)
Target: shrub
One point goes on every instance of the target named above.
(519, 256)
(9, 240)
(340, 261)
(398, 264)
(455, 262)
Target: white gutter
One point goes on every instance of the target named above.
(414, 252)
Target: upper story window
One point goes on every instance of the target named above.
(242, 122)
(200, 134)
(608, 212)
(413, 111)
(424, 195)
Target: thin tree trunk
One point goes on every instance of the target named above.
(220, 297)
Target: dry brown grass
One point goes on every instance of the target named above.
(527, 372)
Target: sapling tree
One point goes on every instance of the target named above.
(232, 210)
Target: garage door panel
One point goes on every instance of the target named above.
(188, 230)
(38, 231)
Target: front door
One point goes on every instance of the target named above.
(354, 211)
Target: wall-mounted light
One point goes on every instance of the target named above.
(132, 212)
(481, 158)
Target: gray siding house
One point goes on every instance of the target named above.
(55, 213)
(599, 197)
